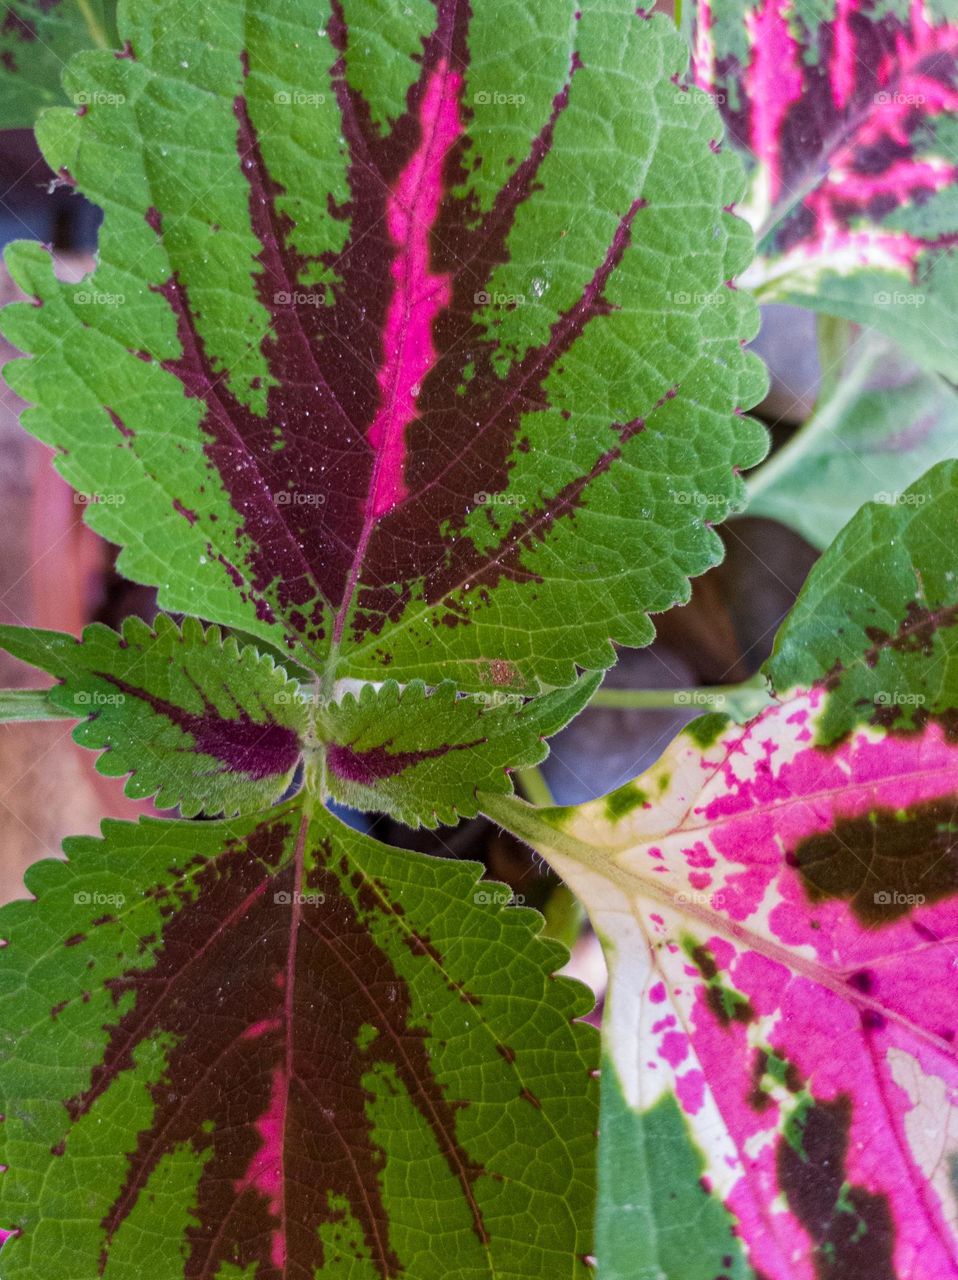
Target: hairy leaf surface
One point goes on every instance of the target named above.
(194, 720)
(37, 39)
(274, 1047)
(401, 339)
(423, 755)
(846, 111)
(885, 424)
(779, 907)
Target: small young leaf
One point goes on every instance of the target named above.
(847, 114)
(403, 344)
(37, 39)
(194, 720)
(779, 908)
(423, 756)
(886, 423)
(274, 1047)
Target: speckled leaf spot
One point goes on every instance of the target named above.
(396, 344)
(197, 722)
(779, 906)
(266, 1050)
(846, 112)
(37, 39)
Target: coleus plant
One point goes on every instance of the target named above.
(845, 112)
(412, 374)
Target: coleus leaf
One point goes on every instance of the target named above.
(878, 617)
(885, 424)
(37, 39)
(779, 907)
(846, 111)
(195, 720)
(399, 366)
(422, 755)
(272, 1046)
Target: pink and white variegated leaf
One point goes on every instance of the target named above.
(381, 361)
(779, 907)
(846, 114)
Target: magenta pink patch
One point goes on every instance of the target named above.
(690, 1091)
(674, 1047)
(261, 1028)
(418, 293)
(265, 1172)
(774, 78)
(842, 69)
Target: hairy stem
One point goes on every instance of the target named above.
(31, 704)
(534, 786)
(733, 699)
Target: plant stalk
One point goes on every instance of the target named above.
(22, 705)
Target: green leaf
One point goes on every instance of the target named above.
(423, 755)
(877, 620)
(37, 39)
(194, 720)
(885, 424)
(272, 1046)
(403, 337)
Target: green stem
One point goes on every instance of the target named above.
(733, 699)
(30, 704)
(93, 25)
(834, 337)
(534, 786)
(565, 916)
(822, 421)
